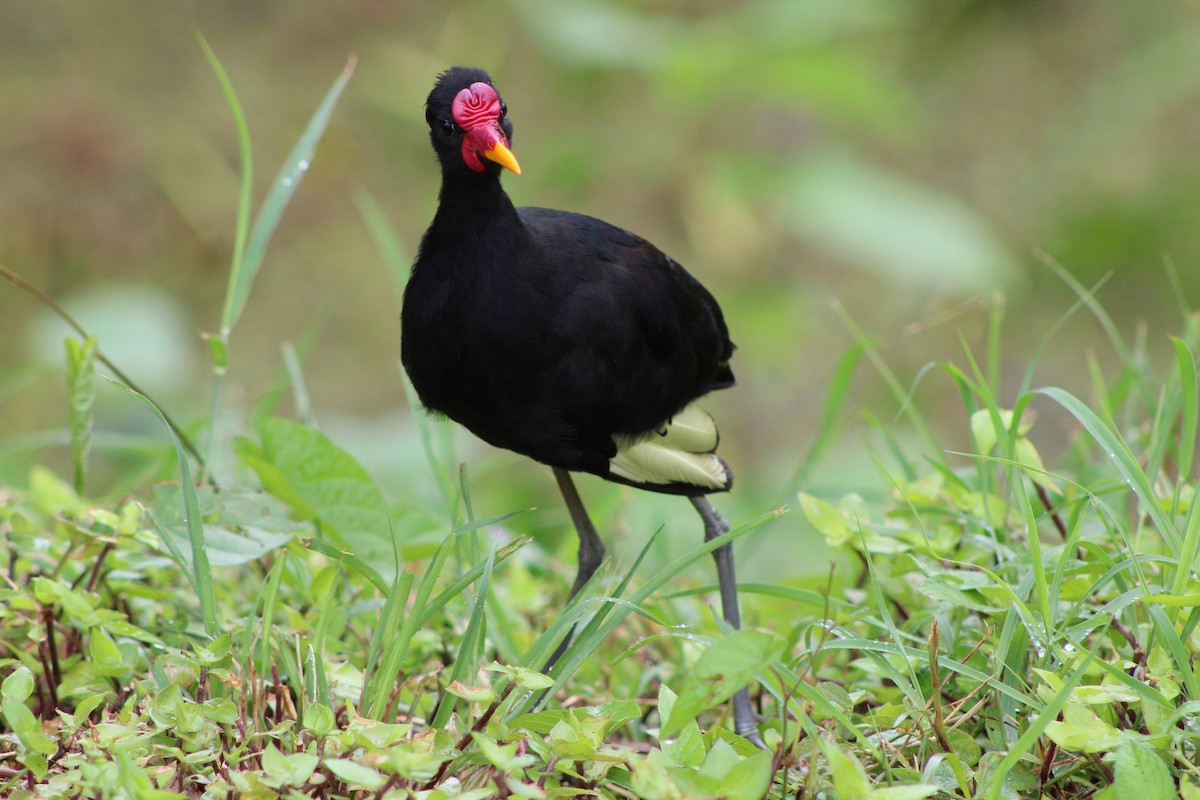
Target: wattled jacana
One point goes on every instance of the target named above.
(562, 337)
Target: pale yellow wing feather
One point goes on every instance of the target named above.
(681, 452)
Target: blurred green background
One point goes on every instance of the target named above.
(907, 160)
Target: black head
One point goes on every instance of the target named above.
(468, 124)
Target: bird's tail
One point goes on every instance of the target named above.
(678, 458)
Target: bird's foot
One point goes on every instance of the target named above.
(753, 737)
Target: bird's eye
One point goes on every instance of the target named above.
(446, 126)
(503, 109)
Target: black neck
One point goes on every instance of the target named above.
(473, 197)
(475, 210)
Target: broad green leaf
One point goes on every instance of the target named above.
(220, 709)
(724, 668)
(851, 782)
(1104, 694)
(320, 481)
(377, 735)
(238, 525)
(720, 759)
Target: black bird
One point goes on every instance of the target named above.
(563, 337)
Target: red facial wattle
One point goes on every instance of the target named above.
(476, 110)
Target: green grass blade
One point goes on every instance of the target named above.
(1185, 362)
(902, 396)
(295, 373)
(245, 187)
(1120, 346)
(1124, 460)
(268, 404)
(470, 651)
(588, 639)
(387, 242)
(466, 579)
(323, 547)
(1029, 737)
(387, 648)
(328, 604)
(443, 470)
(835, 403)
(1165, 627)
(201, 571)
(81, 393)
(282, 189)
(270, 597)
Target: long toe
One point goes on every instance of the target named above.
(743, 719)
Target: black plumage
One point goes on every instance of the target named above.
(558, 335)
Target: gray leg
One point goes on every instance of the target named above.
(714, 526)
(591, 548)
(591, 551)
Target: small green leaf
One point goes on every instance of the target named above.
(749, 778)
(274, 765)
(568, 742)
(687, 748)
(290, 770)
(105, 655)
(827, 519)
(849, 778)
(46, 591)
(524, 677)
(652, 777)
(376, 735)
(319, 719)
(1082, 731)
(18, 686)
(220, 709)
(503, 756)
(472, 694)
(1141, 773)
(984, 431)
(216, 652)
(15, 690)
(355, 774)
